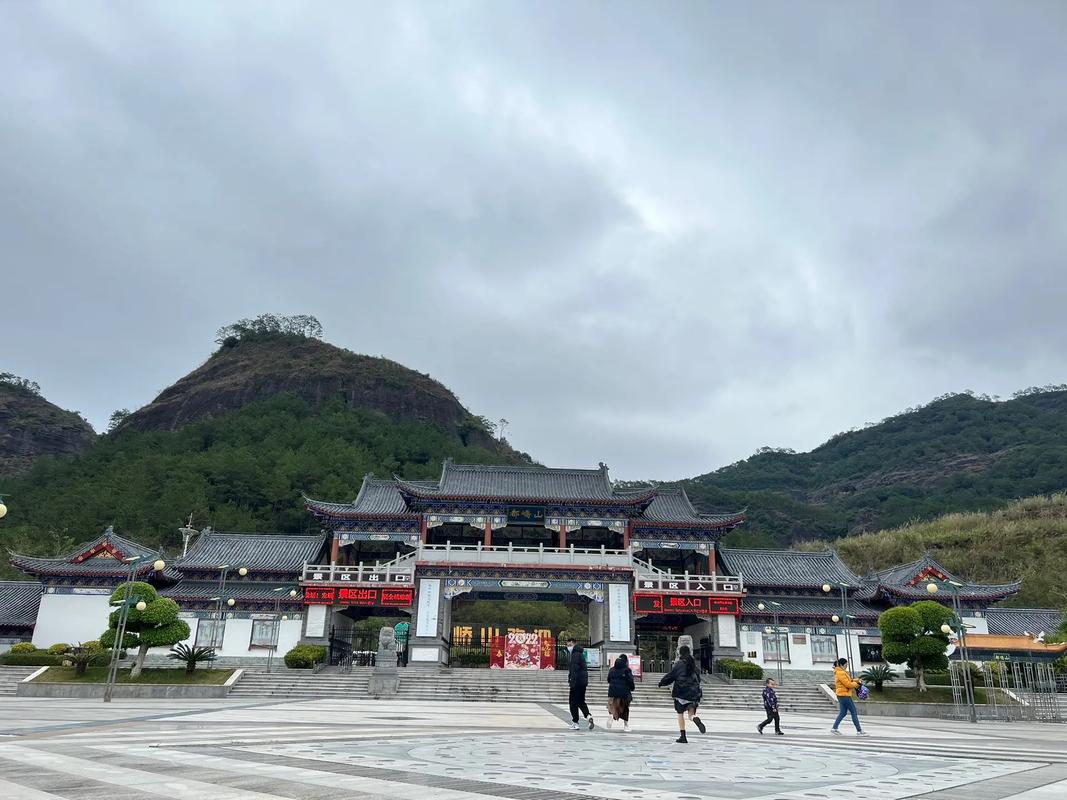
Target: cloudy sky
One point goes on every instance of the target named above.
(658, 235)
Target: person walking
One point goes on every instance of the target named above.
(578, 679)
(770, 705)
(845, 688)
(620, 692)
(684, 678)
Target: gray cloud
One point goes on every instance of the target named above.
(655, 236)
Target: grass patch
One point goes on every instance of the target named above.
(201, 677)
(936, 694)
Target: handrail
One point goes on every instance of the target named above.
(511, 548)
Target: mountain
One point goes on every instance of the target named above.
(237, 441)
(1026, 539)
(31, 427)
(260, 367)
(958, 453)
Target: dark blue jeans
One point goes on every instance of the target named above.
(846, 705)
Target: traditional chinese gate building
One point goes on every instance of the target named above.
(508, 532)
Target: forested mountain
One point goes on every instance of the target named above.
(269, 416)
(958, 453)
(31, 427)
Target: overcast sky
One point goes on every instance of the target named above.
(658, 235)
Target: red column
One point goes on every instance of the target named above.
(711, 561)
(626, 534)
(423, 530)
(488, 541)
(335, 548)
(563, 536)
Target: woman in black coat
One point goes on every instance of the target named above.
(686, 691)
(620, 692)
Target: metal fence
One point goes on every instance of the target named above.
(1011, 691)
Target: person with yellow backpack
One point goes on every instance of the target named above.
(845, 688)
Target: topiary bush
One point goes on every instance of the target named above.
(304, 656)
(37, 659)
(23, 647)
(740, 670)
(59, 648)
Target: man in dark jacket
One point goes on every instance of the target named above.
(578, 679)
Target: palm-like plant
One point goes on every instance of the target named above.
(191, 656)
(82, 655)
(878, 675)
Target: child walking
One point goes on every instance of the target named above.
(770, 705)
(620, 692)
(686, 692)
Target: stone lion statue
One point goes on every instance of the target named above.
(387, 639)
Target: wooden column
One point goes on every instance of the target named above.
(424, 531)
(488, 540)
(562, 536)
(335, 548)
(626, 532)
(711, 558)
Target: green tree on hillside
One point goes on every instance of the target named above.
(155, 626)
(912, 635)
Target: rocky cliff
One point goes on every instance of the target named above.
(31, 427)
(255, 369)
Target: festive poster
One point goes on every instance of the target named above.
(496, 652)
(522, 651)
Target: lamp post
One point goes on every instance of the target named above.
(777, 634)
(127, 601)
(960, 629)
(844, 617)
(278, 618)
(216, 638)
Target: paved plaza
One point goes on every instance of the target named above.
(263, 750)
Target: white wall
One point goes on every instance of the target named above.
(71, 618)
(237, 635)
(800, 655)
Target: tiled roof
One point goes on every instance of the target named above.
(516, 483)
(673, 506)
(1019, 621)
(790, 568)
(805, 606)
(985, 641)
(898, 582)
(377, 498)
(19, 601)
(102, 565)
(239, 590)
(259, 552)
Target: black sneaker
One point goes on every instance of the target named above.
(590, 721)
(681, 740)
(759, 730)
(779, 733)
(700, 725)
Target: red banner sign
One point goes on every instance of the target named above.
(664, 603)
(381, 596)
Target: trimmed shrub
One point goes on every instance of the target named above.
(740, 670)
(304, 656)
(38, 659)
(59, 649)
(23, 647)
(471, 658)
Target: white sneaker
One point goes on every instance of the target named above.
(860, 733)
(574, 726)
(835, 731)
(610, 720)
(626, 727)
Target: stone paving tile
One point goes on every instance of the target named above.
(62, 784)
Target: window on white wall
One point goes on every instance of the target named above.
(823, 649)
(205, 633)
(776, 647)
(263, 632)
